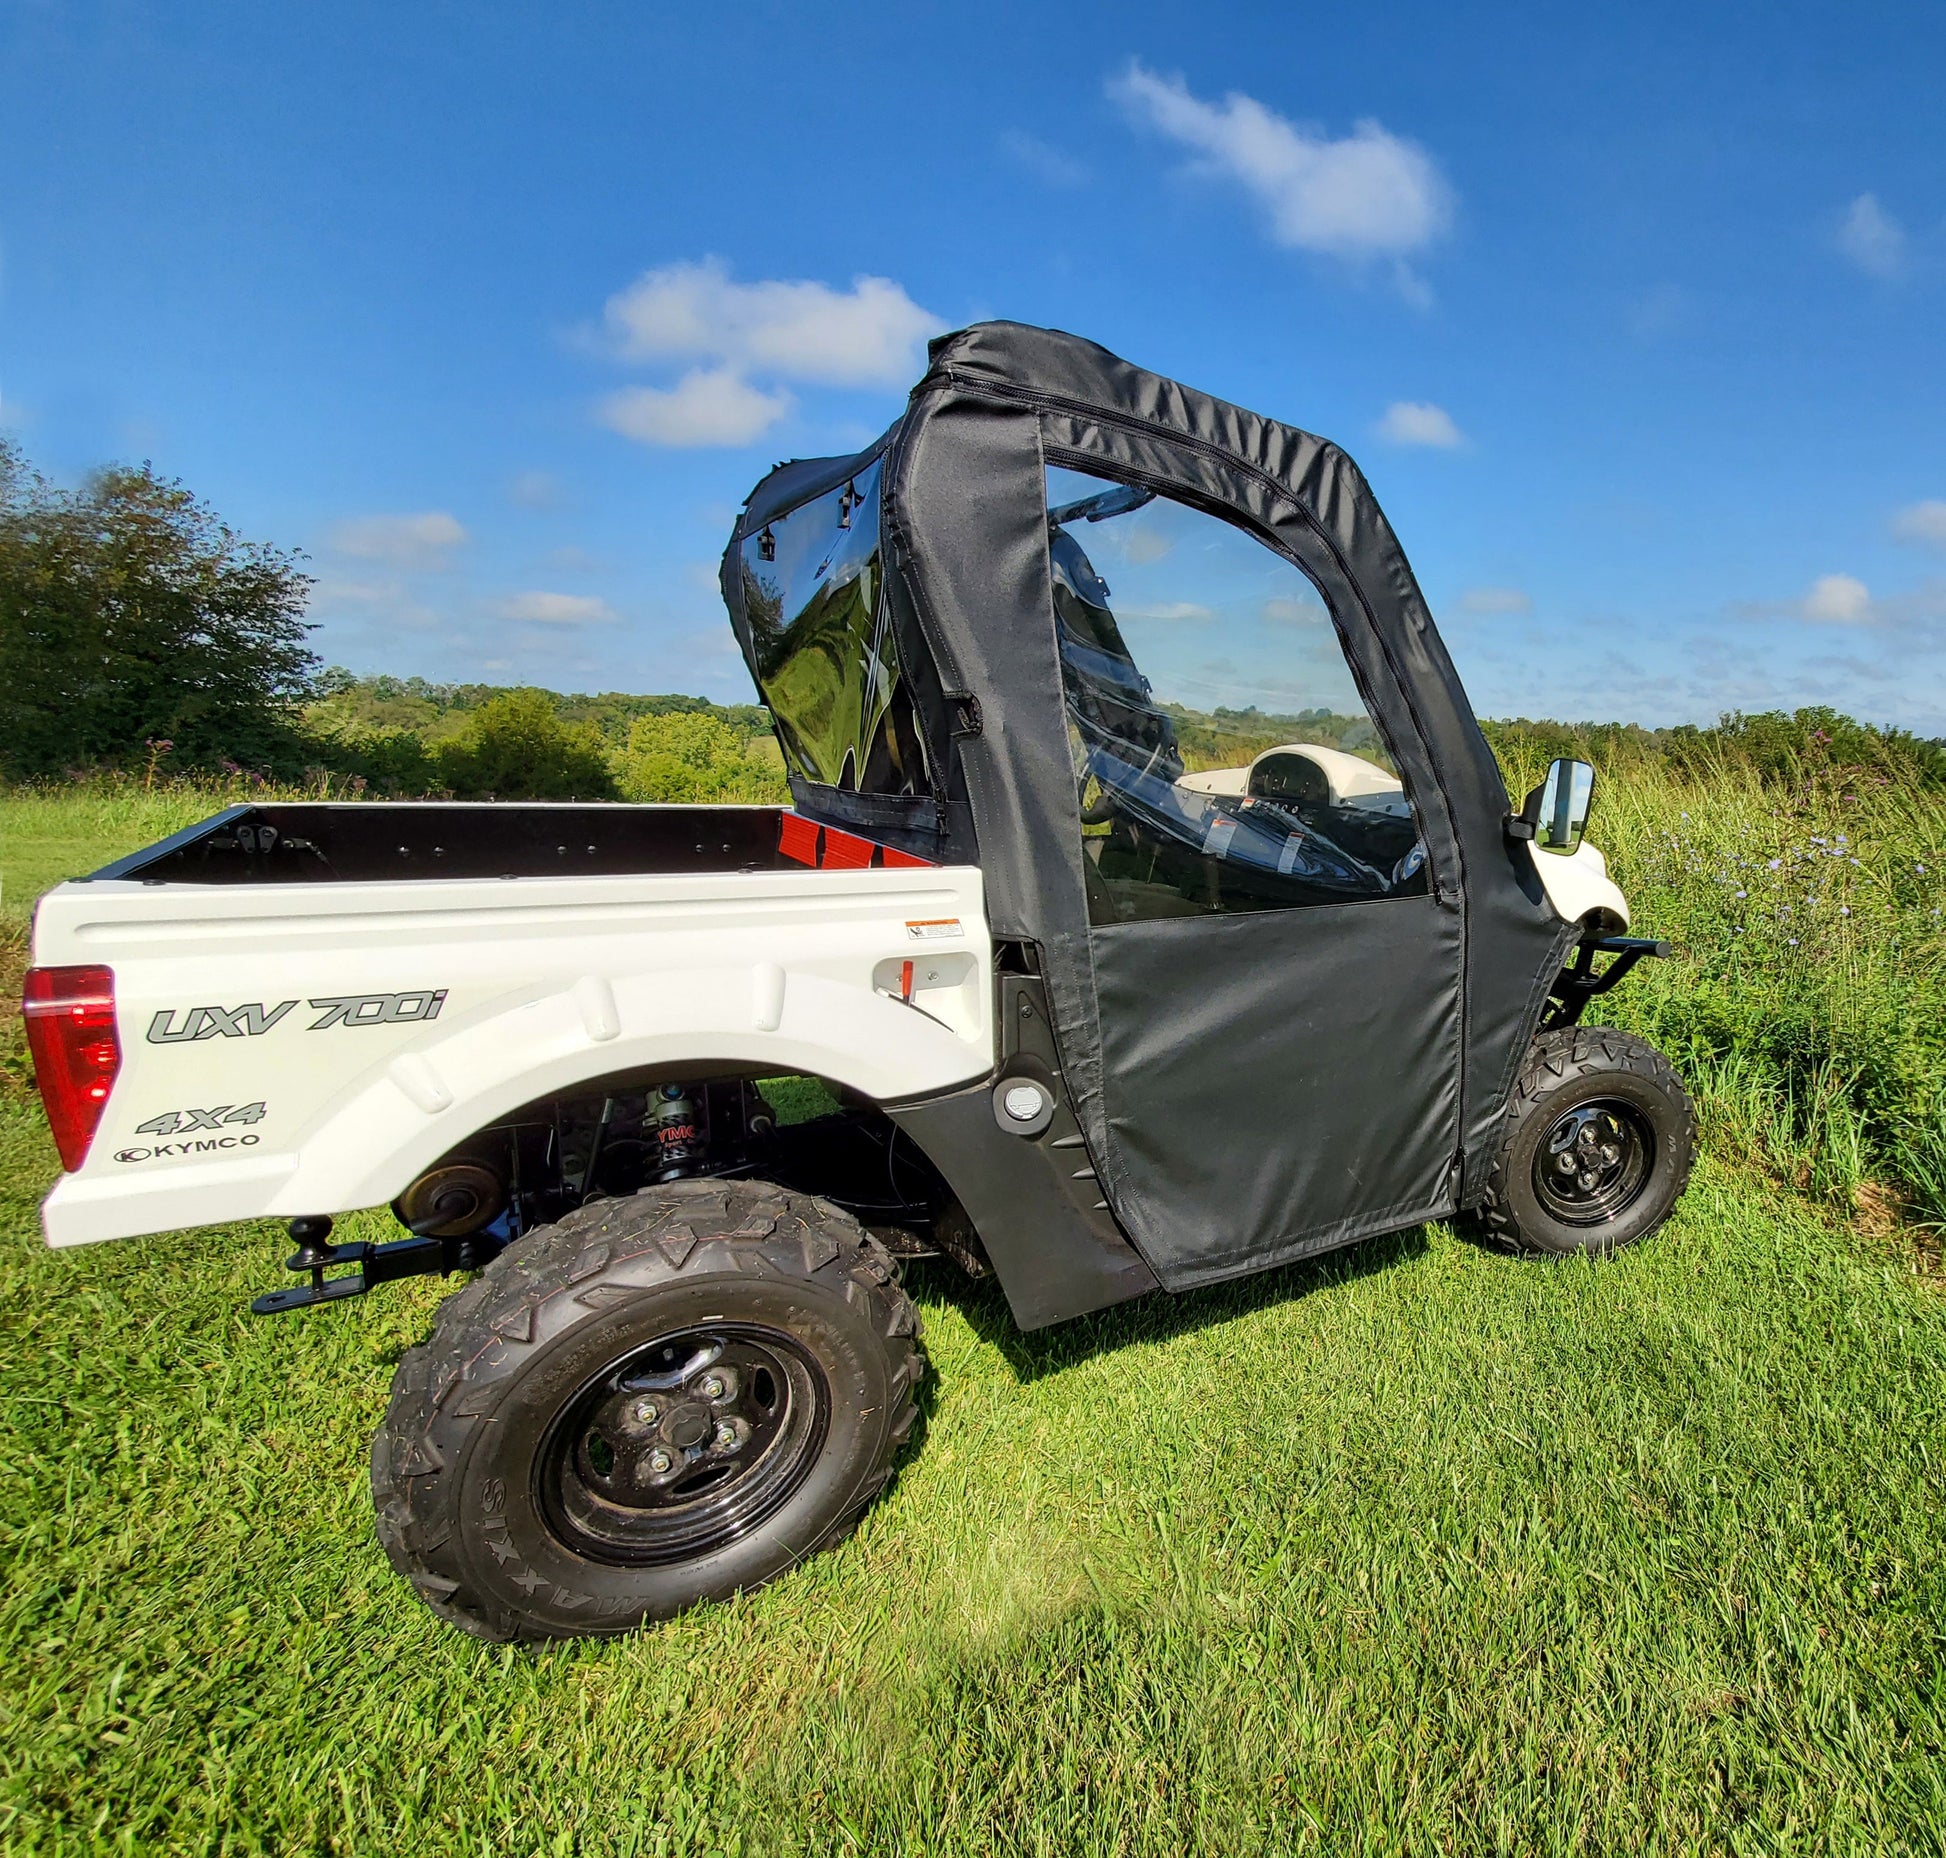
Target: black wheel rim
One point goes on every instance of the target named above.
(683, 1445)
(1594, 1162)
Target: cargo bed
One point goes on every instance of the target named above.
(367, 842)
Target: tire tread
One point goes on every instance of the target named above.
(1556, 1056)
(657, 1237)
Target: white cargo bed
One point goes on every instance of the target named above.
(296, 1047)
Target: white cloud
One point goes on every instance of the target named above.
(1923, 523)
(1838, 599)
(331, 591)
(536, 490)
(1419, 422)
(424, 540)
(869, 336)
(1168, 609)
(1281, 610)
(547, 609)
(1501, 602)
(1871, 238)
(1369, 194)
(1042, 159)
(382, 603)
(708, 406)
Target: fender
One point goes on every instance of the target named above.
(785, 973)
(1578, 886)
(669, 1023)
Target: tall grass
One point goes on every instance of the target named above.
(1806, 1002)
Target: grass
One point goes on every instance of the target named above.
(1807, 1001)
(1414, 1549)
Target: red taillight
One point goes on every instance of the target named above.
(70, 1015)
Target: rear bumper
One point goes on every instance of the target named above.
(86, 1208)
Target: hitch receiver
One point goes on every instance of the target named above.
(420, 1256)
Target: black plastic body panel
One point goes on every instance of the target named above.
(389, 841)
(1034, 1201)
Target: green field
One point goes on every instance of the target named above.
(1416, 1549)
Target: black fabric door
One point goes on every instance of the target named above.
(1275, 953)
(1273, 1085)
(1183, 703)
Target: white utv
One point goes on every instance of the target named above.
(1151, 911)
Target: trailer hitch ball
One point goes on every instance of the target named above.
(314, 1250)
(442, 1242)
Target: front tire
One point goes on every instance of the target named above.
(656, 1402)
(1596, 1147)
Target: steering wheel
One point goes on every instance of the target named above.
(1102, 807)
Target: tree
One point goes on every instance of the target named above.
(514, 747)
(691, 756)
(131, 614)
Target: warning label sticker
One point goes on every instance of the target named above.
(1216, 841)
(933, 930)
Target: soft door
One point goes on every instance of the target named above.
(1276, 964)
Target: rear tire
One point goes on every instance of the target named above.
(1596, 1147)
(658, 1401)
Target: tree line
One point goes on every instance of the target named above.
(138, 629)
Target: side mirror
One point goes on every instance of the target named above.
(1556, 813)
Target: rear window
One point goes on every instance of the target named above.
(827, 658)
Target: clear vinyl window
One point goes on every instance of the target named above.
(1223, 757)
(827, 655)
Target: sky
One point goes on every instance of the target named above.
(1636, 321)
(1210, 618)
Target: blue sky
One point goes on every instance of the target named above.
(1635, 321)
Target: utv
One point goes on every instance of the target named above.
(1150, 912)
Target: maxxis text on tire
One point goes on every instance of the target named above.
(533, 1475)
(1596, 1147)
